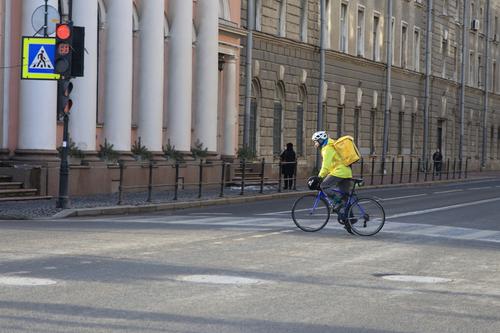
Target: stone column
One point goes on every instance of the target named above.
(206, 74)
(118, 85)
(82, 124)
(230, 109)
(180, 74)
(38, 103)
(151, 74)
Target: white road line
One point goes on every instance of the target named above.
(450, 191)
(208, 214)
(404, 197)
(426, 211)
(477, 188)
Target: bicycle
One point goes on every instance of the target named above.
(363, 216)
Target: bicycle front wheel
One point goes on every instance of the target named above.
(310, 213)
(366, 217)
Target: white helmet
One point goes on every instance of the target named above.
(320, 136)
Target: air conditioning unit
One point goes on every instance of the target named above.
(475, 25)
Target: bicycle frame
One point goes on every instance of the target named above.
(348, 204)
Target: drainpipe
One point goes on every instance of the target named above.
(465, 55)
(248, 90)
(388, 85)
(428, 72)
(7, 73)
(486, 86)
(322, 40)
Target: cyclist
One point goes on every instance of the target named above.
(333, 172)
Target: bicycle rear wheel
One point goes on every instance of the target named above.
(310, 213)
(366, 217)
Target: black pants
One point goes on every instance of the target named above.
(288, 176)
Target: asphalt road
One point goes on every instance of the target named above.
(247, 268)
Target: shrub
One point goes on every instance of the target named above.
(107, 152)
(246, 153)
(198, 150)
(141, 151)
(171, 153)
(73, 150)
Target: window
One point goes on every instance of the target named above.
(224, 11)
(479, 71)
(444, 56)
(495, 32)
(324, 115)
(343, 28)
(301, 111)
(445, 7)
(282, 18)
(376, 45)
(258, 15)
(498, 142)
(404, 45)
(361, 32)
(328, 14)
(393, 39)
(254, 108)
(471, 68)
(492, 137)
(277, 117)
(416, 50)
(303, 21)
(455, 63)
(340, 120)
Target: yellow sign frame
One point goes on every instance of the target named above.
(25, 70)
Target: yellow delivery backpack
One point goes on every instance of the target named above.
(347, 150)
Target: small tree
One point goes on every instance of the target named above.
(246, 153)
(140, 151)
(107, 152)
(198, 150)
(171, 153)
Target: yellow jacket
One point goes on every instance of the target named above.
(332, 164)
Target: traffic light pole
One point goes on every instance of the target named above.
(63, 200)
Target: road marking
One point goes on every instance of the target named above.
(208, 214)
(404, 197)
(478, 188)
(450, 191)
(426, 211)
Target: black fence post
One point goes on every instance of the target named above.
(448, 169)
(418, 170)
(263, 165)
(200, 179)
(402, 169)
(392, 171)
(441, 170)
(426, 170)
(150, 182)
(373, 170)
(454, 167)
(222, 179)
(176, 183)
(382, 172)
(120, 185)
(466, 165)
(460, 162)
(411, 170)
(279, 176)
(362, 167)
(295, 176)
(433, 170)
(243, 166)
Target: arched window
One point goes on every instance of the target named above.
(301, 111)
(279, 102)
(254, 116)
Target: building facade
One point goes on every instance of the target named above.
(356, 99)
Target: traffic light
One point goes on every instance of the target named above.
(64, 102)
(64, 47)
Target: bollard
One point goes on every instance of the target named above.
(222, 178)
(120, 186)
(262, 175)
(150, 182)
(176, 186)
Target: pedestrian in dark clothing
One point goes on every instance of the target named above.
(288, 163)
(437, 158)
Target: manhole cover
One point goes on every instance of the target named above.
(24, 281)
(219, 279)
(415, 278)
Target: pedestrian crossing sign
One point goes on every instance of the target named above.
(38, 58)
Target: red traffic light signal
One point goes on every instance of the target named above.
(63, 31)
(64, 45)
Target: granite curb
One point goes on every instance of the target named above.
(148, 208)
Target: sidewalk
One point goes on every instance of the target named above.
(106, 204)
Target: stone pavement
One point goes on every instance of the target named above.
(136, 202)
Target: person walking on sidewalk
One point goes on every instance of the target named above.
(289, 161)
(437, 159)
